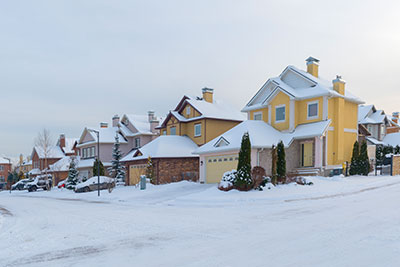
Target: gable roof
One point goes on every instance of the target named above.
(368, 114)
(262, 135)
(69, 145)
(165, 146)
(215, 110)
(392, 139)
(53, 152)
(61, 165)
(298, 85)
(107, 136)
(140, 122)
(4, 161)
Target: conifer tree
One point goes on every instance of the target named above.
(281, 162)
(379, 155)
(244, 180)
(397, 150)
(150, 170)
(354, 165)
(101, 168)
(274, 158)
(117, 169)
(72, 179)
(363, 159)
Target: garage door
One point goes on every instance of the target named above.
(135, 171)
(218, 165)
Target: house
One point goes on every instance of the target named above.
(5, 169)
(194, 122)
(315, 119)
(24, 165)
(133, 132)
(393, 126)
(375, 122)
(43, 158)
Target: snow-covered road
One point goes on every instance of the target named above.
(342, 222)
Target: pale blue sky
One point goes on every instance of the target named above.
(68, 64)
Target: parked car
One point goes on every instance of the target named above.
(41, 181)
(62, 183)
(92, 185)
(21, 185)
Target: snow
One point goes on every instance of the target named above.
(94, 180)
(336, 222)
(262, 135)
(53, 152)
(392, 139)
(61, 165)
(165, 146)
(107, 136)
(140, 122)
(4, 161)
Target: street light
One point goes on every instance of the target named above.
(98, 159)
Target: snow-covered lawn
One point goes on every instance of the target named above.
(336, 222)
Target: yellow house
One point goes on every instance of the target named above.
(316, 120)
(201, 119)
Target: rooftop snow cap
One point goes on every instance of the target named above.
(312, 66)
(338, 84)
(208, 94)
(103, 125)
(115, 120)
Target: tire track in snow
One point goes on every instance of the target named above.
(344, 194)
(5, 211)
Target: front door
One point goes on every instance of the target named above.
(307, 154)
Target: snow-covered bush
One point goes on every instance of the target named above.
(265, 184)
(228, 180)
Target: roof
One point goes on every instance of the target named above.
(87, 163)
(392, 139)
(165, 146)
(368, 114)
(374, 140)
(140, 122)
(53, 152)
(215, 110)
(262, 135)
(107, 135)
(298, 85)
(4, 161)
(61, 165)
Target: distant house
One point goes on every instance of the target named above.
(133, 132)
(5, 169)
(24, 165)
(375, 122)
(193, 122)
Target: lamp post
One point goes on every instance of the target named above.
(98, 159)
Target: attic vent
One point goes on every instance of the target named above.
(221, 142)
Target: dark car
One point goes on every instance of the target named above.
(41, 181)
(21, 185)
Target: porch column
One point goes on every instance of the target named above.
(318, 151)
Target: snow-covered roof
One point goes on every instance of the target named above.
(107, 135)
(299, 85)
(392, 139)
(4, 161)
(369, 115)
(262, 135)
(34, 171)
(129, 156)
(69, 145)
(53, 152)
(140, 122)
(61, 165)
(87, 163)
(166, 146)
(374, 140)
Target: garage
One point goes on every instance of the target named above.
(135, 171)
(216, 166)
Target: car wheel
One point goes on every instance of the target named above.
(86, 189)
(33, 188)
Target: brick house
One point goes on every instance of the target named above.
(5, 169)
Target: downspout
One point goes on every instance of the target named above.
(258, 155)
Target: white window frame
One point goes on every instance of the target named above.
(137, 142)
(93, 152)
(308, 106)
(280, 106)
(257, 113)
(170, 130)
(195, 134)
(188, 110)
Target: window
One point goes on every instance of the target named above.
(188, 110)
(197, 130)
(2, 179)
(1, 168)
(173, 130)
(312, 110)
(137, 142)
(257, 116)
(280, 113)
(92, 154)
(84, 152)
(164, 132)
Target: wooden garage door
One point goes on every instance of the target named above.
(218, 165)
(134, 173)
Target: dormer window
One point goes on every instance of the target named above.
(312, 110)
(188, 110)
(280, 113)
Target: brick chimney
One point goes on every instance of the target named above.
(103, 125)
(395, 116)
(153, 121)
(338, 84)
(62, 140)
(208, 94)
(312, 66)
(115, 121)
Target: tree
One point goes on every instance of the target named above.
(72, 179)
(354, 165)
(363, 159)
(44, 142)
(274, 157)
(101, 168)
(244, 180)
(379, 155)
(150, 170)
(117, 169)
(281, 162)
(396, 150)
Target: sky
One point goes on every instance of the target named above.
(69, 64)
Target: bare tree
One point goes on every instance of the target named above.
(44, 142)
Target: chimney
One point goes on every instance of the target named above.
(395, 116)
(115, 121)
(153, 121)
(208, 94)
(338, 84)
(103, 125)
(62, 140)
(312, 66)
